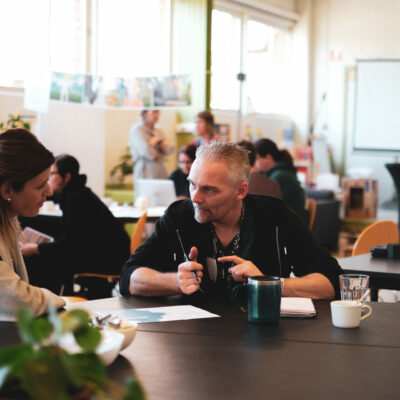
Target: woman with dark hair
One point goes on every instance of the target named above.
(278, 165)
(186, 156)
(92, 239)
(204, 128)
(24, 173)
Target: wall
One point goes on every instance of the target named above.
(344, 31)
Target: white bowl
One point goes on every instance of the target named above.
(108, 349)
(128, 329)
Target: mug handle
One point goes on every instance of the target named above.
(368, 313)
(234, 297)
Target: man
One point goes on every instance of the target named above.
(258, 182)
(148, 146)
(228, 236)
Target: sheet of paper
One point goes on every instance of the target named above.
(297, 306)
(161, 314)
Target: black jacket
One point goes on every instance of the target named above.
(299, 253)
(92, 240)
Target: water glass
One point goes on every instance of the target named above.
(353, 286)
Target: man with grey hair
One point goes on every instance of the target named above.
(223, 235)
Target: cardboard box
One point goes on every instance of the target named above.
(360, 197)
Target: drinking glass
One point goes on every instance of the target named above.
(353, 286)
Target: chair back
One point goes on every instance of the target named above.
(377, 234)
(137, 234)
(311, 207)
(94, 286)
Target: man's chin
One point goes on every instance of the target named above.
(201, 218)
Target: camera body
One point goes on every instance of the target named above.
(390, 251)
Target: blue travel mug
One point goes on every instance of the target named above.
(263, 298)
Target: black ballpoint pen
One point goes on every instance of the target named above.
(186, 258)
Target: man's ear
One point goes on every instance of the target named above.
(5, 190)
(242, 189)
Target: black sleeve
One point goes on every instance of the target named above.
(157, 252)
(306, 256)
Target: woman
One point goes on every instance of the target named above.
(186, 156)
(92, 239)
(204, 128)
(148, 147)
(278, 165)
(24, 173)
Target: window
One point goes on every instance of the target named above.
(141, 30)
(264, 57)
(225, 50)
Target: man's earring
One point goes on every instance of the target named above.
(9, 199)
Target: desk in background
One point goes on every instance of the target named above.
(228, 359)
(383, 273)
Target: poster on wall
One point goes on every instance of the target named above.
(147, 92)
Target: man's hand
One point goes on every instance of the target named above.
(186, 280)
(153, 141)
(242, 269)
(29, 249)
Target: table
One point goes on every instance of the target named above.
(383, 273)
(227, 358)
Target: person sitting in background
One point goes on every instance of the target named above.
(259, 183)
(278, 165)
(228, 235)
(92, 240)
(24, 174)
(148, 146)
(204, 128)
(186, 156)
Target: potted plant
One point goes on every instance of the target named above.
(124, 167)
(39, 368)
(15, 121)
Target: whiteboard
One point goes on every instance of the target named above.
(377, 106)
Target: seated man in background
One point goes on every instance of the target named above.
(278, 165)
(259, 183)
(228, 236)
(186, 156)
(92, 239)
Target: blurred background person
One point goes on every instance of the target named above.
(24, 174)
(186, 156)
(148, 147)
(278, 165)
(92, 239)
(204, 128)
(258, 182)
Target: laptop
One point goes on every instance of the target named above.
(161, 192)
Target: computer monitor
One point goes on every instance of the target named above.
(161, 192)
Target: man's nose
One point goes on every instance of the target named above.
(195, 195)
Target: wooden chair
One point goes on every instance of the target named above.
(379, 233)
(311, 207)
(75, 299)
(137, 235)
(93, 285)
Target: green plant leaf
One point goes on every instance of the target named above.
(85, 369)
(134, 390)
(24, 322)
(43, 375)
(11, 360)
(88, 337)
(74, 320)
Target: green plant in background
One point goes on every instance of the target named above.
(124, 167)
(42, 370)
(15, 121)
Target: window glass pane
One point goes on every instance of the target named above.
(267, 68)
(68, 35)
(133, 37)
(225, 56)
(24, 38)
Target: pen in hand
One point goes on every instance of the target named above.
(186, 258)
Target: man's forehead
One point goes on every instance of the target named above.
(208, 170)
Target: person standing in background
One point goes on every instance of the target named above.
(186, 156)
(278, 165)
(148, 146)
(204, 128)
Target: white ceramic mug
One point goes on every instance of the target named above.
(348, 313)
